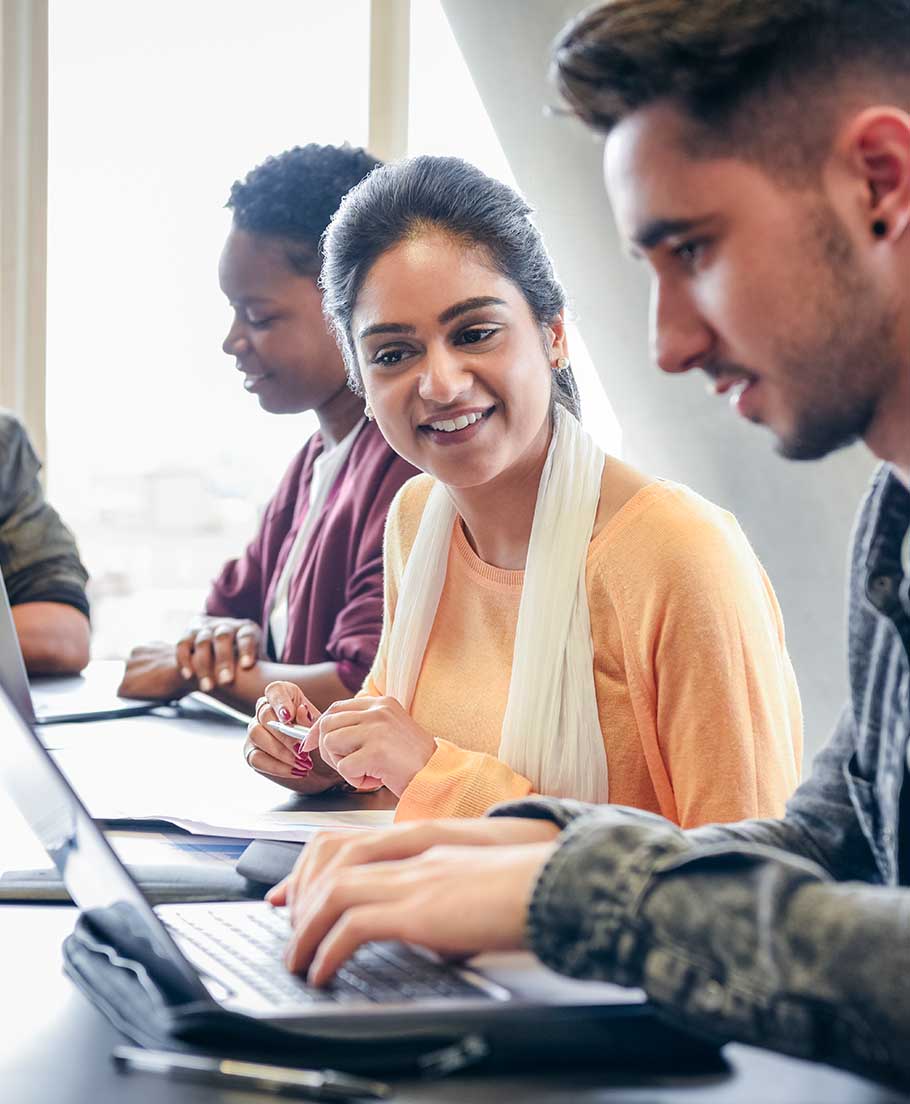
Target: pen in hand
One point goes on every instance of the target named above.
(279, 1080)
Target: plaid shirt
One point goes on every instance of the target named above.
(792, 934)
(38, 555)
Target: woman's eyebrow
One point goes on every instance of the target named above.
(387, 328)
(468, 305)
(447, 316)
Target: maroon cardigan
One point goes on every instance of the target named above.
(335, 600)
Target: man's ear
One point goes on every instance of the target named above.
(875, 145)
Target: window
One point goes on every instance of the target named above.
(158, 459)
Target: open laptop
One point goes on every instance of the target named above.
(229, 954)
(93, 698)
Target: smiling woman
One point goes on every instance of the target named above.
(544, 602)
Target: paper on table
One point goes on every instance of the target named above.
(294, 826)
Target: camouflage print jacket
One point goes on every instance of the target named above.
(790, 934)
(38, 555)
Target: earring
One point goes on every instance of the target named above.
(879, 228)
(562, 364)
(368, 412)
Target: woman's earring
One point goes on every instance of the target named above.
(562, 364)
(368, 412)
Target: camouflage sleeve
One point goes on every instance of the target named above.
(736, 941)
(38, 554)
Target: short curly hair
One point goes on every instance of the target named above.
(292, 197)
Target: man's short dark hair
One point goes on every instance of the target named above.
(758, 78)
(293, 196)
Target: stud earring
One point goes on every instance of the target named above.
(562, 364)
(368, 412)
(879, 228)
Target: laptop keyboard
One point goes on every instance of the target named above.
(249, 945)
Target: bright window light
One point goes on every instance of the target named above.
(159, 460)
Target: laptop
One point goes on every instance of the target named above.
(93, 698)
(229, 954)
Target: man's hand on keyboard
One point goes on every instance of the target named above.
(457, 887)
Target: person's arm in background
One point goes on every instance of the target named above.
(44, 577)
(223, 652)
(55, 638)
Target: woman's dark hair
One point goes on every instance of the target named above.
(410, 198)
(293, 196)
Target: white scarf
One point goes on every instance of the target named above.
(551, 730)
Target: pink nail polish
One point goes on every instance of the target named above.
(285, 714)
(309, 715)
(300, 771)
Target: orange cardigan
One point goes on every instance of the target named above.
(697, 698)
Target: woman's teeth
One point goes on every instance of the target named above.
(451, 425)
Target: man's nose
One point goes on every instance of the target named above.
(680, 337)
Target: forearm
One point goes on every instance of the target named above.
(456, 782)
(319, 681)
(55, 639)
(738, 941)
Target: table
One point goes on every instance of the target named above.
(55, 1047)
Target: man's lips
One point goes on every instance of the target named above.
(720, 385)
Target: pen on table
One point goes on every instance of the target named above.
(279, 1080)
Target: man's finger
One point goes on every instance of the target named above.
(277, 895)
(357, 926)
(320, 911)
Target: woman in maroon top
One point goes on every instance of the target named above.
(304, 601)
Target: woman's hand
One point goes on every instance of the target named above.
(371, 742)
(328, 854)
(282, 758)
(212, 649)
(152, 672)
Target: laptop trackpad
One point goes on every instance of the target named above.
(524, 976)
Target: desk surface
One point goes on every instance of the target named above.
(55, 1048)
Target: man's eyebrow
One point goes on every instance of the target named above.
(653, 233)
(386, 328)
(468, 305)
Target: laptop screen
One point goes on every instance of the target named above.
(13, 677)
(96, 879)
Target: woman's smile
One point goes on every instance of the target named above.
(456, 427)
